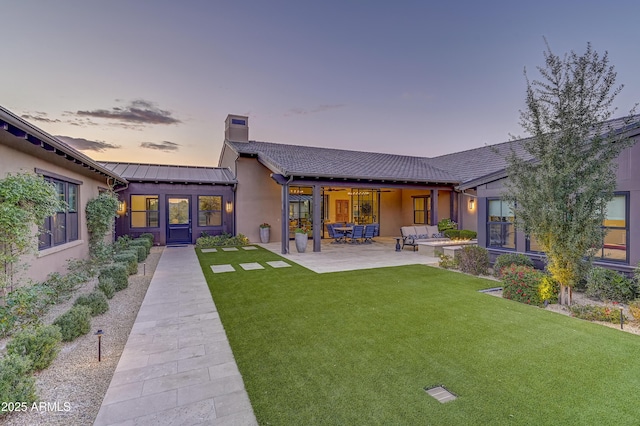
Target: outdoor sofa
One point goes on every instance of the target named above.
(412, 235)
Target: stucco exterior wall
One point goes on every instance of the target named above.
(258, 200)
(54, 259)
(391, 213)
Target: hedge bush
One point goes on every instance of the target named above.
(96, 301)
(141, 242)
(597, 313)
(509, 259)
(149, 236)
(106, 286)
(129, 258)
(25, 305)
(223, 240)
(16, 382)
(467, 234)
(117, 273)
(522, 283)
(609, 285)
(74, 323)
(473, 260)
(41, 345)
(141, 252)
(454, 234)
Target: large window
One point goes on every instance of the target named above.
(500, 228)
(62, 227)
(144, 211)
(616, 226)
(209, 210)
(422, 210)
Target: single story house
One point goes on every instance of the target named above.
(77, 178)
(290, 186)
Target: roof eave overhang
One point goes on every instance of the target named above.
(23, 130)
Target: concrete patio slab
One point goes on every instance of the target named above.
(251, 266)
(222, 268)
(278, 264)
(229, 248)
(250, 248)
(209, 250)
(177, 368)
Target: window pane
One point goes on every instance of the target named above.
(502, 235)
(209, 218)
(59, 233)
(616, 211)
(60, 190)
(73, 226)
(533, 245)
(45, 234)
(209, 202)
(73, 198)
(615, 244)
(144, 211)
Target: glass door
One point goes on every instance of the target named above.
(178, 219)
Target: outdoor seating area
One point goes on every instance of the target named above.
(352, 233)
(412, 235)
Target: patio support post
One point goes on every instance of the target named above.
(317, 216)
(285, 219)
(434, 207)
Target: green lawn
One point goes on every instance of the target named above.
(359, 347)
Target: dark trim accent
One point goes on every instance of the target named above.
(57, 176)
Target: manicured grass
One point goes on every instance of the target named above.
(359, 347)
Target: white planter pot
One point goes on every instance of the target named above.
(301, 242)
(264, 235)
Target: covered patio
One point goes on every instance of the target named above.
(351, 257)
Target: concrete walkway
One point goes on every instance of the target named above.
(177, 367)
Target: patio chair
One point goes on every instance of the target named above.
(337, 236)
(369, 233)
(357, 233)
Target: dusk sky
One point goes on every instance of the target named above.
(153, 81)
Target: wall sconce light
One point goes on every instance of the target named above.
(229, 207)
(122, 208)
(472, 203)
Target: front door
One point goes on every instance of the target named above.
(178, 219)
(342, 211)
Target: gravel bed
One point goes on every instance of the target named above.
(75, 384)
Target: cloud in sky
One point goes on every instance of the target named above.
(138, 112)
(164, 146)
(82, 144)
(39, 116)
(319, 108)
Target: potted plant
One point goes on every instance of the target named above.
(302, 237)
(265, 230)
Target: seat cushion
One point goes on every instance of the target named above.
(408, 231)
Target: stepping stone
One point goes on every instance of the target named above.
(251, 266)
(211, 250)
(278, 264)
(222, 268)
(250, 248)
(229, 248)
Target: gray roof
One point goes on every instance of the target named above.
(137, 172)
(307, 161)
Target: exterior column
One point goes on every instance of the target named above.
(434, 207)
(317, 217)
(285, 219)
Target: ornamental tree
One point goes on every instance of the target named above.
(560, 197)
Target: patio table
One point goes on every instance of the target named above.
(344, 230)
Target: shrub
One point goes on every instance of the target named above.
(222, 240)
(445, 224)
(597, 313)
(129, 258)
(64, 285)
(467, 234)
(96, 301)
(634, 308)
(548, 289)
(149, 236)
(448, 262)
(117, 273)
(16, 382)
(122, 243)
(141, 242)
(74, 323)
(7, 321)
(606, 284)
(40, 345)
(28, 303)
(473, 260)
(142, 253)
(106, 286)
(521, 283)
(454, 234)
(509, 259)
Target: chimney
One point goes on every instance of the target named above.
(236, 128)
